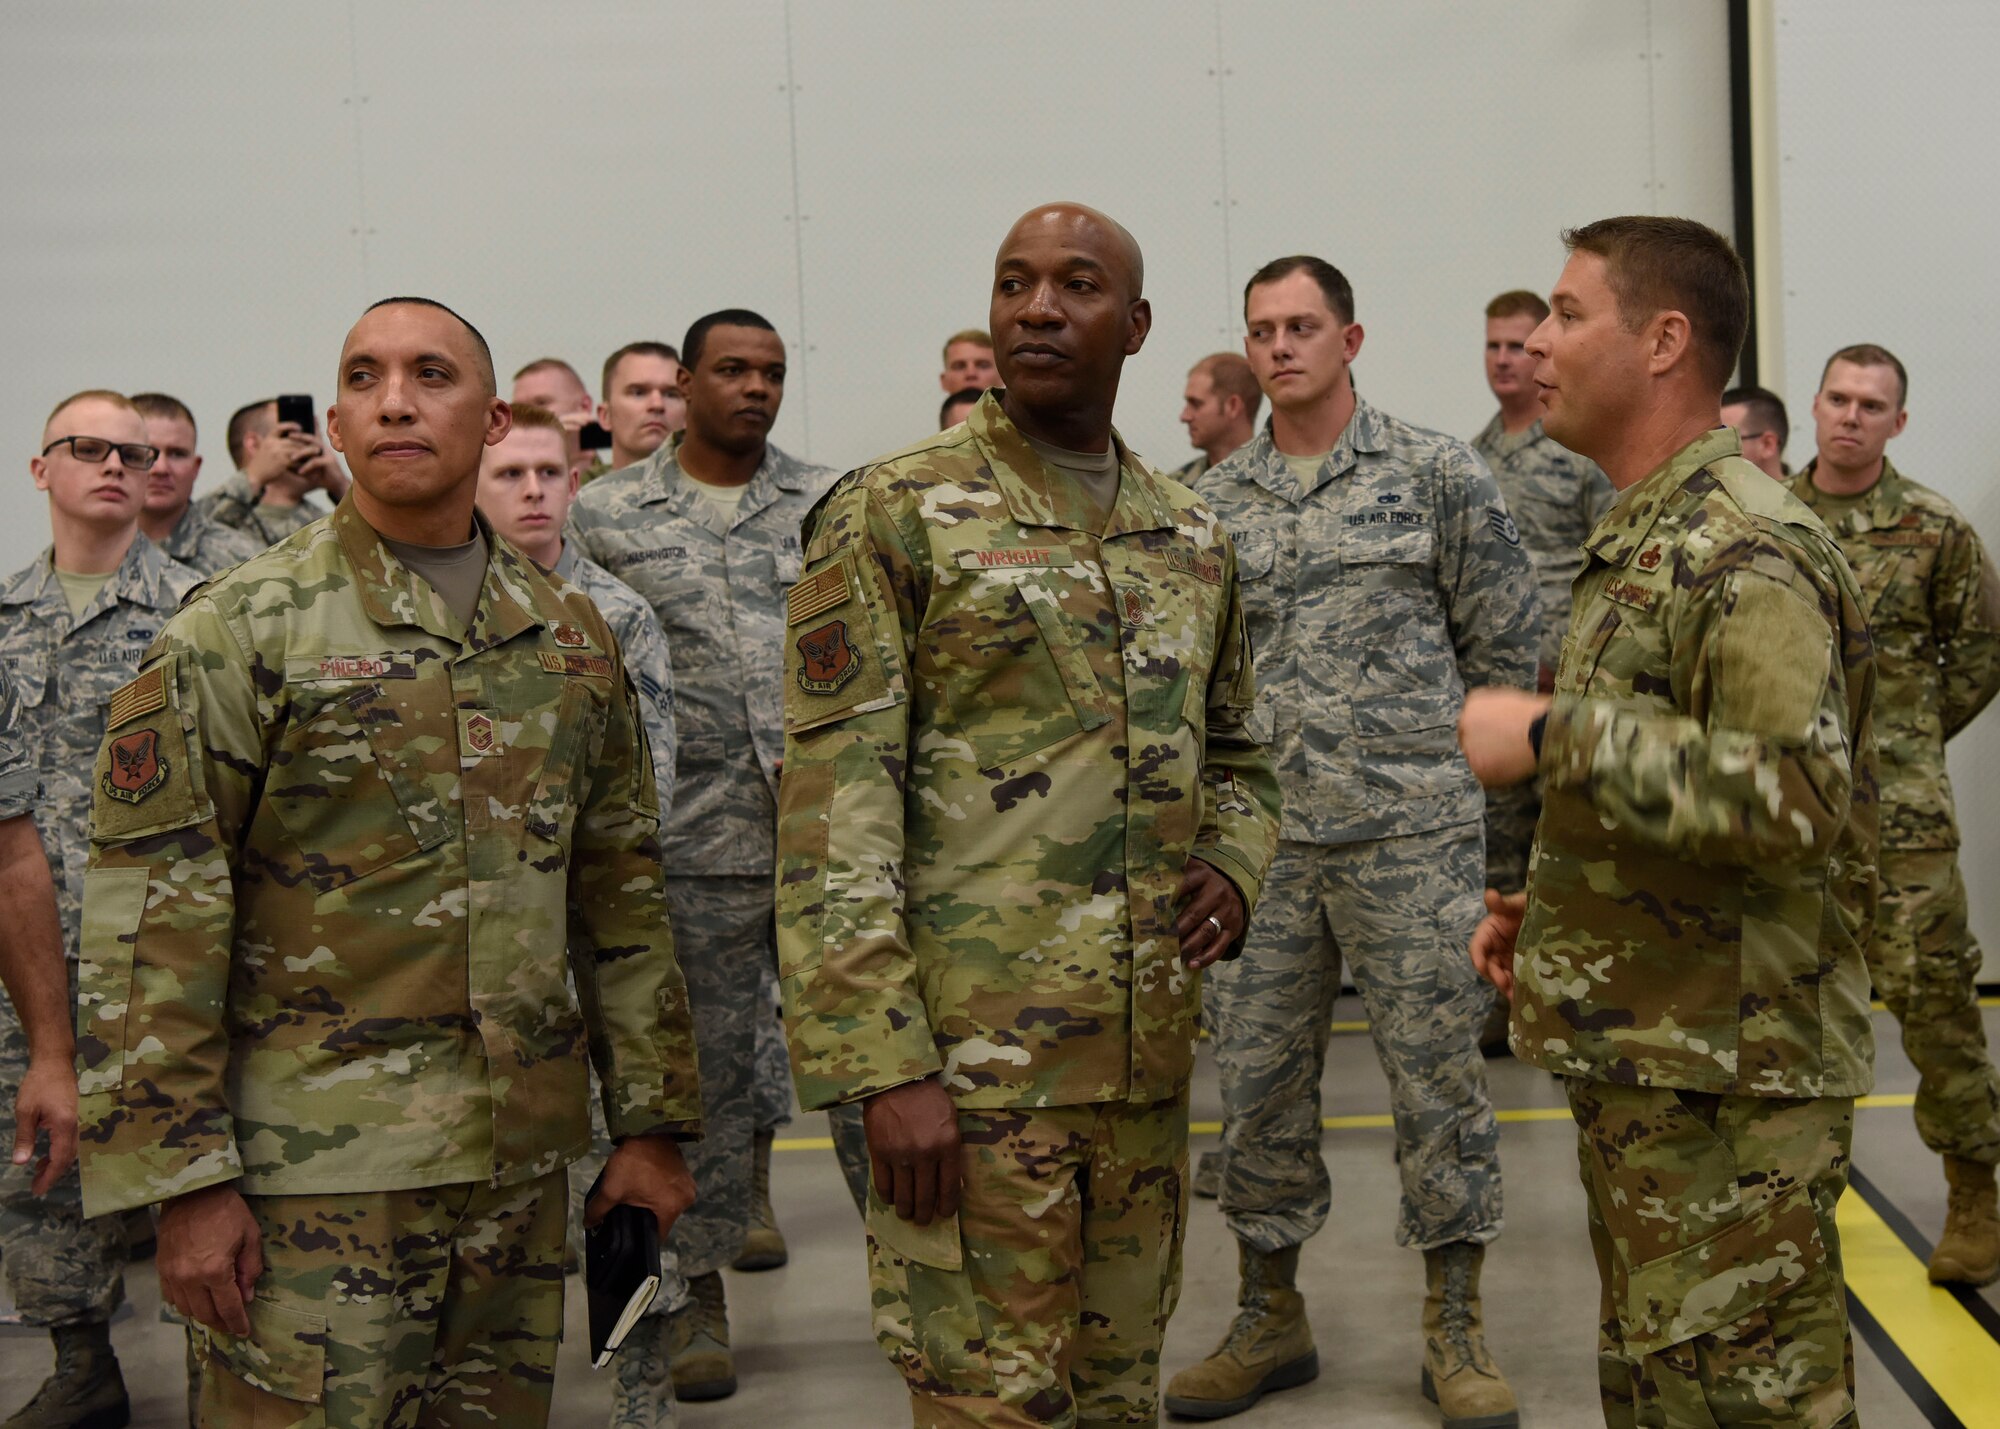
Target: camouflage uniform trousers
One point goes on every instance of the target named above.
(774, 1062)
(1924, 961)
(723, 935)
(1712, 1221)
(432, 1307)
(61, 1268)
(1401, 911)
(1045, 1303)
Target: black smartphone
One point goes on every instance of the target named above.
(594, 437)
(297, 408)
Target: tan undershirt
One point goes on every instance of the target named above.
(1305, 469)
(81, 590)
(455, 572)
(722, 499)
(1095, 473)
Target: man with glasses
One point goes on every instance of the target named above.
(170, 518)
(1761, 425)
(73, 628)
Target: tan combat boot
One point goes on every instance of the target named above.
(1269, 1345)
(1969, 1251)
(1460, 1377)
(1207, 1182)
(87, 1390)
(763, 1244)
(698, 1343)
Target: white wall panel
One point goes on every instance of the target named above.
(1886, 241)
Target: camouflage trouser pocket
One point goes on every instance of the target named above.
(928, 1318)
(272, 1378)
(1766, 1255)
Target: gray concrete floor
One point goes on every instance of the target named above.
(805, 1354)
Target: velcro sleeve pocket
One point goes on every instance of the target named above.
(114, 900)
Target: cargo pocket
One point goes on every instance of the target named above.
(1023, 680)
(272, 1378)
(927, 1319)
(114, 900)
(1734, 1278)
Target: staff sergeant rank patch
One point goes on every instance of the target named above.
(830, 659)
(137, 768)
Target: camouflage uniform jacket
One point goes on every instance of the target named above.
(341, 843)
(1933, 600)
(236, 506)
(647, 660)
(1005, 737)
(204, 545)
(1555, 498)
(64, 671)
(20, 783)
(1703, 880)
(1376, 597)
(717, 583)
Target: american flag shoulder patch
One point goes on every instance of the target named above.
(821, 591)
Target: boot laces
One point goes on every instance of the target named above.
(1455, 1317)
(710, 1310)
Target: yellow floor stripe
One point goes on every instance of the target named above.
(1368, 1122)
(1943, 1342)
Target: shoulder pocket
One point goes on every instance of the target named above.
(833, 662)
(114, 900)
(143, 782)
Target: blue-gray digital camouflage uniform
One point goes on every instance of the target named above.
(206, 546)
(1702, 886)
(1377, 594)
(717, 585)
(1555, 498)
(62, 1268)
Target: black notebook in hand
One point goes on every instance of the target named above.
(621, 1274)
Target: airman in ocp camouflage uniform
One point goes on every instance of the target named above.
(714, 563)
(1933, 600)
(65, 1270)
(1382, 579)
(348, 825)
(1070, 712)
(1703, 878)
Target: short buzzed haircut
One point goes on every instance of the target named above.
(165, 408)
(530, 418)
(1332, 282)
(1229, 373)
(1657, 265)
(1868, 354)
(1518, 303)
(252, 419)
(548, 364)
(977, 336)
(1764, 407)
(636, 349)
(697, 335)
(90, 394)
(963, 394)
(478, 337)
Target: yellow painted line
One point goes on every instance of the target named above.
(1370, 1122)
(1348, 1026)
(1941, 1340)
(1880, 1006)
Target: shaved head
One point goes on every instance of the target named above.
(1080, 226)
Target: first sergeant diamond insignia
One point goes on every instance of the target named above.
(136, 766)
(821, 591)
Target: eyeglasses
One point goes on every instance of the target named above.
(137, 456)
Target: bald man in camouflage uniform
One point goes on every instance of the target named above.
(65, 1270)
(1934, 604)
(713, 562)
(1020, 810)
(350, 818)
(1690, 943)
(1383, 578)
